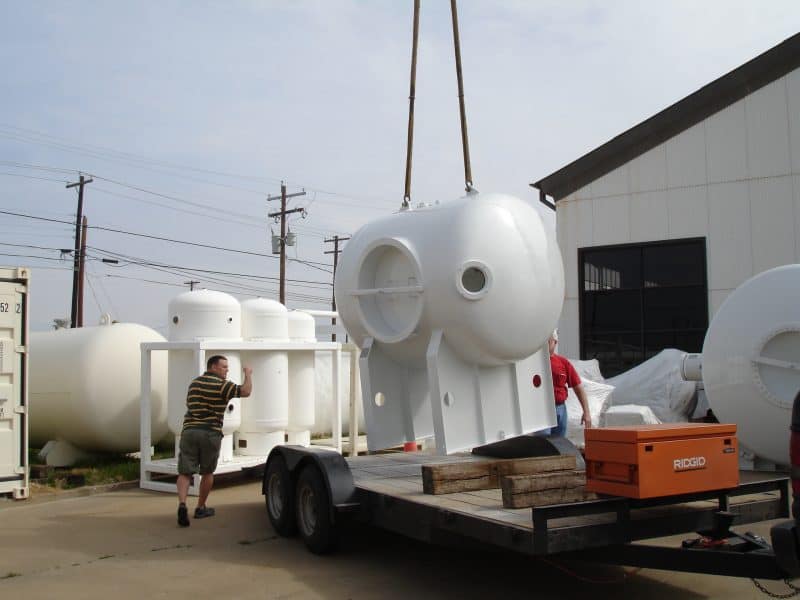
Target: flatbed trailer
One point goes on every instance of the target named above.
(316, 492)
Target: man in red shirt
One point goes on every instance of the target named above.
(564, 376)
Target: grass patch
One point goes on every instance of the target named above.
(99, 469)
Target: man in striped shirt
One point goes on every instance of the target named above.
(201, 436)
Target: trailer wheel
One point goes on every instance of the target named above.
(279, 497)
(314, 512)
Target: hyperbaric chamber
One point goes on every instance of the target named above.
(449, 303)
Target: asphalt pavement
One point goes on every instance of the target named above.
(126, 544)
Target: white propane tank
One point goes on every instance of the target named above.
(202, 315)
(439, 296)
(265, 414)
(302, 389)
(85, 387)
(751, 360)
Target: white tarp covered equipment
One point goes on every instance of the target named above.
(658, 384)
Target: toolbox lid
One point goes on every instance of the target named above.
(663, 431)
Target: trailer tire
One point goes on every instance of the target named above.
(314, 511)
(279, 496)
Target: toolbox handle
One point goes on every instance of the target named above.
(617, 472)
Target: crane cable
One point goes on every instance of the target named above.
(412, 96)
(462, 110)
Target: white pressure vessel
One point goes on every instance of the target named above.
(751, 360)
(265, 413)
(483, 269)
(85, 386)
(201, 315)
(302, 387)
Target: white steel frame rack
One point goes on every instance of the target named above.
(169, 466)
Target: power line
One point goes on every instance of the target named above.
(174, 198)
(31, 177)
(186, 272)
(216, 216)
(146, 262)
(367, 202)
(164, 239)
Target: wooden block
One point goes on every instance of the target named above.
(524, 491)
(530, 466)
(469, 476)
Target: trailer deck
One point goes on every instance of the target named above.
(389, 490)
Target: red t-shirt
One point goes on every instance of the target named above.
(564, 375)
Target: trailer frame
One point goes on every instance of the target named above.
(383, 491)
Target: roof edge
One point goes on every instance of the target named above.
(680, 116)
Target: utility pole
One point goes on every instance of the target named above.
(76, 265)
(191, 284)
(282, 214)
(335, 239)
(82, 271)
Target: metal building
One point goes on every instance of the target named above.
(660, 224)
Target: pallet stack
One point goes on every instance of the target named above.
(524, 482)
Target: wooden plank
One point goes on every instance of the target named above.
(547, 497)
(518, 484)
(466, 476)
(521, 491)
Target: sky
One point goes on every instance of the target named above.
(189, 114)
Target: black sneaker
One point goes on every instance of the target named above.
(183, 516)
(201, 512)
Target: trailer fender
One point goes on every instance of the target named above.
(334, 468)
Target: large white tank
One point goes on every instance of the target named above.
(85, 387)
(265, 414)
(200, 315)
(751, 360)
(301, 379)
(482, 268)
(448, 304)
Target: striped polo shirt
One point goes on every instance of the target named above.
(207, 400)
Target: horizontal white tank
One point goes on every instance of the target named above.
(302, 392)
(751, 360)
(85, 387)
(483, 269)
(265, 413)
(451, 305)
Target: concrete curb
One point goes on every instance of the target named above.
(53, 494)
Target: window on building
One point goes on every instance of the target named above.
(638, 299)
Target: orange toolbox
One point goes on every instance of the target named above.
(649, 461)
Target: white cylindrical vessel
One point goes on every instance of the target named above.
(692, 367)
(200, 315)
(265, 413)
(751, 360)
(472, 268)
(301, 379)
(85, 386)
(230, 424)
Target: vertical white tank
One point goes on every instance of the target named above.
(265, 413)
(85, 385)
(202, 315)
(301, 379)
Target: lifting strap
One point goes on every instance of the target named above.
(411, 96)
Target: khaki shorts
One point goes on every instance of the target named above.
(199, 451)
